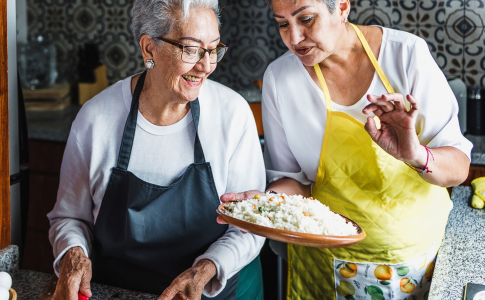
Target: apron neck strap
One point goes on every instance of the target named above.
(198, 151)
(130, 127)
(372, 58)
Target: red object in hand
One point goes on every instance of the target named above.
(82, 297)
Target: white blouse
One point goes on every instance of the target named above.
(160, 154)
(294, 110)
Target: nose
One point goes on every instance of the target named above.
(296, 35)
(204, 64)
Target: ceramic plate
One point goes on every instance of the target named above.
(292, 237)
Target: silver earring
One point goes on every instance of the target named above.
(150, 64)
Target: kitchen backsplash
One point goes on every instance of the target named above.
(454, 30)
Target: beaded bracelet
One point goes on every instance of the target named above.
(424, 169)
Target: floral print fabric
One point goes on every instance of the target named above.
(410, 280)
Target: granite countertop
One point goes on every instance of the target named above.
(33, 285)
(461, 258)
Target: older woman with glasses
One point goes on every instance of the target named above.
(145, 164)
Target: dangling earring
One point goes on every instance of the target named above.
(150, 64)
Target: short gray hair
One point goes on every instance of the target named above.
(330, 4)
(156, 18)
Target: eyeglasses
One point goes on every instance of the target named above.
(193, 54)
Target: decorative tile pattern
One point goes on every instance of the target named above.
(454, 30)
(251, 33)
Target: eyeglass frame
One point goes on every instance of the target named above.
(182, 46)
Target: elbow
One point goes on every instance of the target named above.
(458, 176)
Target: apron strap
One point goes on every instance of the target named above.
(376, 65)
(130, 127)
(198, 151)
(373, 59)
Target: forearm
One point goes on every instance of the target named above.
(448, 168)
(290, 186)
(66, 234)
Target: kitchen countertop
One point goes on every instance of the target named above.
(32, 285)
(461, 258)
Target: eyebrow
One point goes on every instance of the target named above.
(197, 40)
(293, 13)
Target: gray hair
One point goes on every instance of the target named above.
(330, 4)
(156, 18)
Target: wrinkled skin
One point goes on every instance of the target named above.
(74, 276)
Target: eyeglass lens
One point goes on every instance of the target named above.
(193, 54)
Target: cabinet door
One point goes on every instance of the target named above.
(475, 172)
(45, 165)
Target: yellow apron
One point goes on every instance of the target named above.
(403, 216)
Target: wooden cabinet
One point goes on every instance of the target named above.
(256, 108)
(475, 172)
(45, 166)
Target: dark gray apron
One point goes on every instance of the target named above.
(146, 235)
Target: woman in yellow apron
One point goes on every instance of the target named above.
(387, 173)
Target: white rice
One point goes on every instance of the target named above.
(291, 212)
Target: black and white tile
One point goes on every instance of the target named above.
(454, 30)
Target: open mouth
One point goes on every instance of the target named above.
(192, 80)
(303, 50)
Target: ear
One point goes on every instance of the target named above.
(344, 6)
(147, 46)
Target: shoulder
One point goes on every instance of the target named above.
(397, 41)
(398, 37)
(283, 65)
(222, 107)
(105, 107)
(222, 97)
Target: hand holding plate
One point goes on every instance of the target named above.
(237, 197)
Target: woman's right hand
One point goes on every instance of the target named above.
(75, 275)
(237, 197)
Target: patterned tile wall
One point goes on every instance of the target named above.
(69, 24)
(454, 30)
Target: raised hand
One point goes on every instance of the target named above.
(397, 134)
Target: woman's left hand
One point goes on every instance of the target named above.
(190, 284)
(397, 135)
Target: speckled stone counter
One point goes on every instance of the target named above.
(51, 125)
(32, 285)
(9, 259)
(461, 258)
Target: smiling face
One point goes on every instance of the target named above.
(308, 28)
(180, 79)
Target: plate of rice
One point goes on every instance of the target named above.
(292, 219)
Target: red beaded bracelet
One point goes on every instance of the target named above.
(424, 169)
